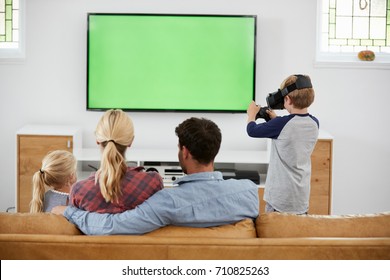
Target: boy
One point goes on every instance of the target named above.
(287, 187)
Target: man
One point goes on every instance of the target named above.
(200, 199)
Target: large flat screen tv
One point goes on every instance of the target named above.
(165, 62)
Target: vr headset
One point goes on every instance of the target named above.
(275, 100)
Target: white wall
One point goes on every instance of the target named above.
(49, 88)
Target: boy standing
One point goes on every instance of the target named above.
(287, 187)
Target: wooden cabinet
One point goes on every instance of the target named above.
(321, 179)
(33, 143)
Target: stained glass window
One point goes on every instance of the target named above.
(355, 25)
(9, 23)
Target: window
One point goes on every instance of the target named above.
(346, 27)
(11, 29)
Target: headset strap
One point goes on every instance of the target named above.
(301, 82)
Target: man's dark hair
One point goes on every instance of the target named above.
(201, 137)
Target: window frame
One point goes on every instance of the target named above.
(346, 59)
(15, 55)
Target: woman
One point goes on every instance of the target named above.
(115, 187)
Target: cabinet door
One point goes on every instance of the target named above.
(321, 178)
(30, 151)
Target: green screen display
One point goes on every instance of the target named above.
(171, 62)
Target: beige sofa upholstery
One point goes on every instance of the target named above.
(271, 236)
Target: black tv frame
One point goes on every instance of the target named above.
(174, 110)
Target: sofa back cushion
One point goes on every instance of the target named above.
(39, 223)
(47, 223)
(275, 225)
(243, 229)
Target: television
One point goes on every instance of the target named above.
(171, 62)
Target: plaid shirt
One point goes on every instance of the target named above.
(137, 186)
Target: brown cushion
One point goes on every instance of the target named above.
(242, 229)
(274, 225)
(39, 223)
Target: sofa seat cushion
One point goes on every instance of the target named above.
(242, 229)
(39, 223)
(276, 225)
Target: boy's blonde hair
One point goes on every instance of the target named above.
(58, 170)
(115, 132)
(300, 98)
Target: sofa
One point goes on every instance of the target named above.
(272, 236)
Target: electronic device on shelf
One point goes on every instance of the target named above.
(168, 173)
(254, 176)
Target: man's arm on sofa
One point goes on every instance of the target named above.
(140, 220)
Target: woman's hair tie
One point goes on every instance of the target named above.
(40, 170)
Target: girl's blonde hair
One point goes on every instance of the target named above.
(58, 170)
(301, 98)
(115, 132)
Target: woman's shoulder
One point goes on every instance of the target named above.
(90, 181)
(152, 178)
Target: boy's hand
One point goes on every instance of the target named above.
(252, 111)
(271, 114)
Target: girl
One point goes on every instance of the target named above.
(53, 181)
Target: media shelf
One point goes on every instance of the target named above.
(321, 181)
(89, 158)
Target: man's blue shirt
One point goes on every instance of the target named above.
(199, 200)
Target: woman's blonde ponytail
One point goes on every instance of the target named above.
(114, 132)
